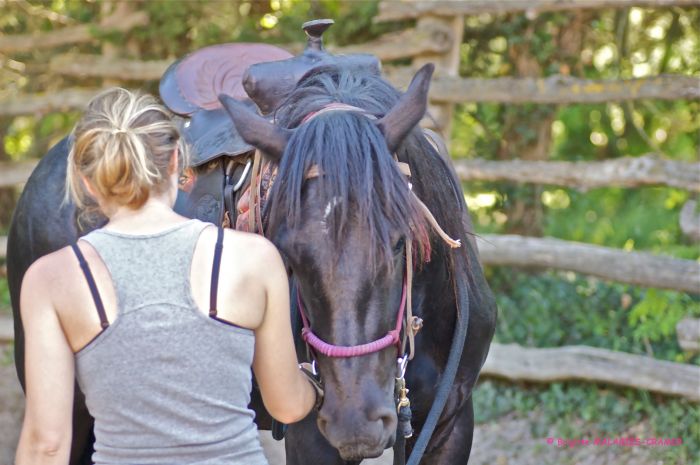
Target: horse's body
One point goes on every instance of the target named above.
(342, 232)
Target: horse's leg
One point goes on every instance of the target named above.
(451, 443)
(305, 445)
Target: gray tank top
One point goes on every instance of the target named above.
(166, 383)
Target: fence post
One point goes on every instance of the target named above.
(446, 64)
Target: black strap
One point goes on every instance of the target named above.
(93, 287)
(216, 265)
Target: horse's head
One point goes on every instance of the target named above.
(341, 213)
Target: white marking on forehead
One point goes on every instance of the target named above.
(332, 203)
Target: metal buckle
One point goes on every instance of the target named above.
(402, 363)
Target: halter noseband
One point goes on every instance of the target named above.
(329, 350)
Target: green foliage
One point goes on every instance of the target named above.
(654, 317)
(556, 309)
(621, 218)
(613, 217)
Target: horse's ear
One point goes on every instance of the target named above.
(409, 110)
(255, 129)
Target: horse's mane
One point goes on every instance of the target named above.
(357, 167)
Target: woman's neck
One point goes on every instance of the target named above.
(156, 214)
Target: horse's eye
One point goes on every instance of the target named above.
(399, 246)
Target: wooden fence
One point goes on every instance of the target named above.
(436, 37)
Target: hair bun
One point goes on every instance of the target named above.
(123, 171)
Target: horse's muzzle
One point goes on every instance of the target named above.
(358, 433)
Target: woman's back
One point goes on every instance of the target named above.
(166, 374)
(165, 382)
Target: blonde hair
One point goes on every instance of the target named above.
(123, 145)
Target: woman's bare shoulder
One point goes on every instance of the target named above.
(242, 250)
(248, 245)
(48, 280)
(51, 269)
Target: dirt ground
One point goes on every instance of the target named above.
(506, 441)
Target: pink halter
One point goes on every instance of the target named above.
(330, 350)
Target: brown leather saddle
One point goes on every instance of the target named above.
(219, 156)
(260, 75)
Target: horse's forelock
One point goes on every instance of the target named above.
(359, 176)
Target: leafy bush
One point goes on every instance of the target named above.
(554, 309)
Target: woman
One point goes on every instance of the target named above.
(160, 346)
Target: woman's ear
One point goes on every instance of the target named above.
(88, 187)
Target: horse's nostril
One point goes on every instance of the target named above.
(321, 422)
(385, 415)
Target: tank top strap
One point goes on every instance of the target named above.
(92, 285)
(215, 268)
(148, 268)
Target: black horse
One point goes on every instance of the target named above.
(341, 213)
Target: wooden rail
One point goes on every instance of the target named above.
(60, 100)
(22, 43)
(15, 172)
(393, 10)
(91, 66)
(431, 38)
(638, 268)
(620, 172)
(553, 89)
(582, 363)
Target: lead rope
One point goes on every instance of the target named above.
(448, 376)
(453, 243)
